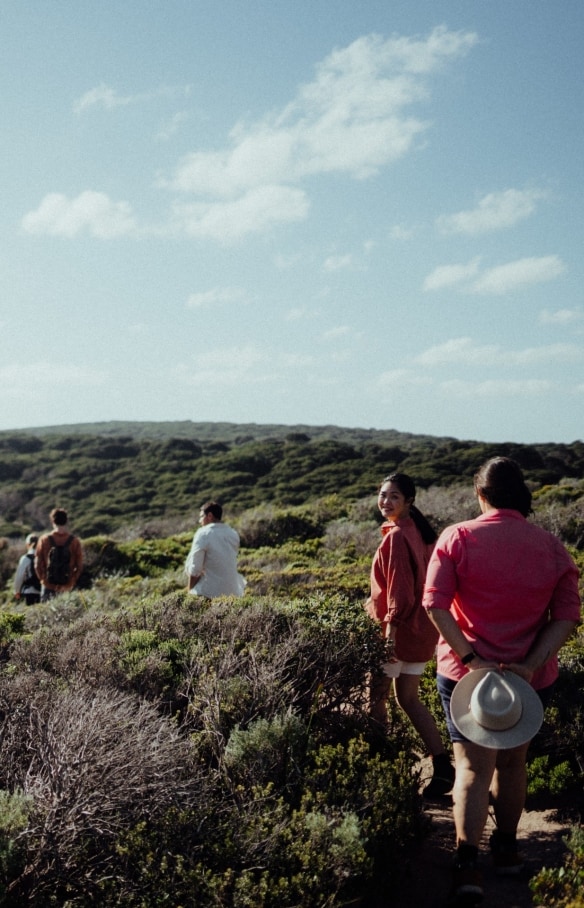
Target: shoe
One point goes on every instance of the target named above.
(506, 858)
(442, 778)
(467, 883)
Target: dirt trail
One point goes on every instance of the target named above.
(428, 868)
(428, 877)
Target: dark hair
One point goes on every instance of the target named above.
(407, 487)
(59, 517)
(500, 482)
(214, 508)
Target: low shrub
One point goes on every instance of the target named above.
(563, 887)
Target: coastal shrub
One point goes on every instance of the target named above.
(563, 887)
(90, 765)
(270, 526)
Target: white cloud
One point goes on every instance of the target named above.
(464, 351)
(450, 275)
(399, 232)
(95, 212)
(102, 96)
(497, 280)
(296, 314)
(226, 367)
(497, 388)
(338, 262)
(215, 297)
(253, 212)
(334, 333)
(109, 98)
(353, 118)
(504, 278)
(495, 211)
(560, 317)
(398, 379)
(172, 126)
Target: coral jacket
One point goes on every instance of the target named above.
(397, 584)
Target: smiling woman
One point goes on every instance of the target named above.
(397, 583)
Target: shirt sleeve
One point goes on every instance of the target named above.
(441, 579)
(392, 579)
(20, 572)
(196, 558)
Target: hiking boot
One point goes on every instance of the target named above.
(467, 883)
(505, 856)
(442, 777)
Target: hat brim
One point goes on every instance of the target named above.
(528, 725)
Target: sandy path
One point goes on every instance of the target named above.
(428, 869)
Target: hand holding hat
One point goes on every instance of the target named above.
(496, 709)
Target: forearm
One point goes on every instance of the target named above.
(450, 631)
(547, 644)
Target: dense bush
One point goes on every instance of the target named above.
(170, 752)
(157, 750)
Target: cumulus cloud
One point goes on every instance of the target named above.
(338, 262)
(521, 272)
(94, 212)
(498, 279)
(450, 275)
(495, 211)
(561, 317)
(253, 212)
(338, 331)
(215, 297)
(464, 351)
(109, 98)
(354, 118)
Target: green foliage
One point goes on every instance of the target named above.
(542, 777)
(563, 887)
(15, 810)
(111, 476)
(11, 626)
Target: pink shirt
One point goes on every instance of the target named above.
(397, 584)
(503, 579)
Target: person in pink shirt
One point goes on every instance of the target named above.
(397, 583)
(503, 593)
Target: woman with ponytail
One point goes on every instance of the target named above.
(397, 583)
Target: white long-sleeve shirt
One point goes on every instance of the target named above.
(213, 555)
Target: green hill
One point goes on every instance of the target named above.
(114, 474)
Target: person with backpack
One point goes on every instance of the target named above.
(27, 585)
(58, 558)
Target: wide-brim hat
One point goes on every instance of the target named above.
(496, 709)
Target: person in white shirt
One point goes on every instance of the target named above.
(211, 565)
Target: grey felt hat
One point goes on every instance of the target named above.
(496, 709)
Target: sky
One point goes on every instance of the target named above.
(361, 213)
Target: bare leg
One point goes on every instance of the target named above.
(379, 689)
(475, 767)
(406, 689)
(509, 787)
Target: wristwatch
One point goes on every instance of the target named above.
(466, 660)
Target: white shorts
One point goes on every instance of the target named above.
(396, 668)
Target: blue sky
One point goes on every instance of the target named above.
(350, 212)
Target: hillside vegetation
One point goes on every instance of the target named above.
(112, 475)
(156, 750)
